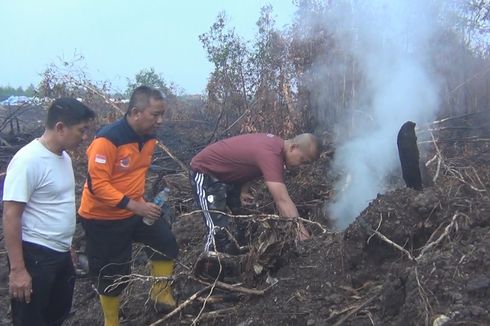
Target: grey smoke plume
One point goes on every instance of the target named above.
(391, 44)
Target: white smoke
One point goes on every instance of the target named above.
(390, 42)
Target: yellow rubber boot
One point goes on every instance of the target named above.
(110, 307)
(161, 292)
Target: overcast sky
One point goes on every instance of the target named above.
(118, 38)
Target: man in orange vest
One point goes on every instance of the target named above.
(113, 207)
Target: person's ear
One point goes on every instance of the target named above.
(59, 126)
(134, 112)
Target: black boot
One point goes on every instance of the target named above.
(220, 241)
(224, 244)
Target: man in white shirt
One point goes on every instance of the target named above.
(39, 217)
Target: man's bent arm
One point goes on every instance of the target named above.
(285, 205)
(283, 202)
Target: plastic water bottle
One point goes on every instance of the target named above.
(160, 199)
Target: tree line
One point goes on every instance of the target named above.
(7, 91)
(301, 77)
(282, 80)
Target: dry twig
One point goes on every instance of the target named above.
(458, 175)
(385, 239)
(217, 313)
(260, 218)
(182, 306)
(234, 288)
(423, 297)
(439, 158)
(356, 309)
(448, 228)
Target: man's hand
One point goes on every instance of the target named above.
(74, 256)
(20, 285)
(20, 282)
(246, 198)
(303, 233)
(144, 209)
(246, 195)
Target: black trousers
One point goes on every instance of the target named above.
(53, 281)
(212, 194)
(109, 248)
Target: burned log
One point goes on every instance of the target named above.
(409, 156)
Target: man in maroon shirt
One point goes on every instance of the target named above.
(222, 171)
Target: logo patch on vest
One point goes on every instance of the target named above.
(100, 158)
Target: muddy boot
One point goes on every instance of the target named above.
(161, 291)
(110, 308)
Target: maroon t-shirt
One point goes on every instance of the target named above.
(243, 158)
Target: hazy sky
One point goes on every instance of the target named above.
(118, 38)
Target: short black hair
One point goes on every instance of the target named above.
(69, 111)
(140, 98)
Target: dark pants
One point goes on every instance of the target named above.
(109, 248)
(53, 280)
(212, 194)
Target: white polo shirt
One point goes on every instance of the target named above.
(45, 182)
